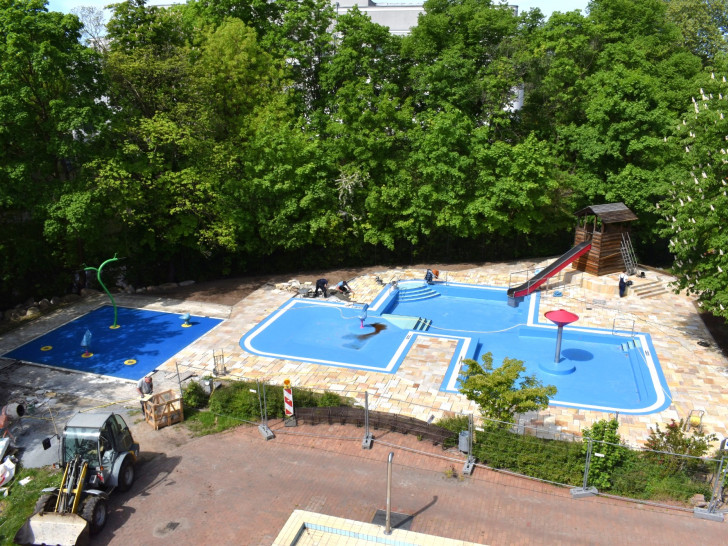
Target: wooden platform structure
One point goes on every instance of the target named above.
(607, 226)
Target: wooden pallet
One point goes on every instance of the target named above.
(162, 409)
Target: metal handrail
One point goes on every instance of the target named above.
(614, 327)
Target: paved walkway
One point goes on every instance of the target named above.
(236, 488)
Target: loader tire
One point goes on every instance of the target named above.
(126, 475)
(94, 511)
(46, 503)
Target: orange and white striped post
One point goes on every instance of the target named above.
(290, 420)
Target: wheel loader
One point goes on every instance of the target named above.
(98, 454)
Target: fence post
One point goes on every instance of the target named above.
(584, 490)
(470, 462)
(367, 442)
(388, 521)
(710, 512)
(266, 432)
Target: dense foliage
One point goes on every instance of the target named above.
(240, 399)
(236, 136)
(671, 468)
(504, 391)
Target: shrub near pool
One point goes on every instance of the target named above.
(236, 400)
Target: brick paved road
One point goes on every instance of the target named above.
(236, 488)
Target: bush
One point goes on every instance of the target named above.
(674, 440)
(330, 400)
(454, 424)
(554, 460)
(201, 423)
(608, 444)
(194, 396)
(236, 400)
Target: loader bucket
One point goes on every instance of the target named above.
(54, 528)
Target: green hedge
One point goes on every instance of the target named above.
(236, 399)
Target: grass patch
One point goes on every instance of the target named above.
(202, 422)
(20, 502)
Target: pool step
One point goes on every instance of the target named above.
(408, 323)
(416, 294)
(423, 324)
(631, 344)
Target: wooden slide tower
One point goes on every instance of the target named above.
(607, 226)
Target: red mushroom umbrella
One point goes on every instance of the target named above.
(561, 318)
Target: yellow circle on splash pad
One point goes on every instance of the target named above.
(130, 362)
(114, 326)
(46, 348)
(87, 355)
(186, 325)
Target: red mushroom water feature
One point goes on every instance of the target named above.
(561, 318)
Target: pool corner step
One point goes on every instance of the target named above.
(408, 323)
(422, 324)
(631, 344)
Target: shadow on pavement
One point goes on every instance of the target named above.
(152, 470)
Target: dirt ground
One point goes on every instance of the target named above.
(230, 291)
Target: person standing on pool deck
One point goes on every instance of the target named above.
(145, 387)
(323, 285)
(622, 284)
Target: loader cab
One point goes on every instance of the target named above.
(103, 440)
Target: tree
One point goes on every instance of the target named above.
(695, 206)
(503, 392)
(462, 54)
(703, 25)
(50, 123)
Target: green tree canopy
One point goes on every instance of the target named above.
(504, 391)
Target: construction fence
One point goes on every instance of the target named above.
(586, 465)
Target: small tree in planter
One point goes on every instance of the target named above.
(503, 392)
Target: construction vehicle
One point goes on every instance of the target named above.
(98, 454)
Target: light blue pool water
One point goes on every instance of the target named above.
(613, 371)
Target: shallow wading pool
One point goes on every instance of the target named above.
(613, 371)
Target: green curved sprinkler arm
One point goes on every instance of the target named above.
(98, 276)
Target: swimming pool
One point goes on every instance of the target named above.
(144, 340)
(613, 371)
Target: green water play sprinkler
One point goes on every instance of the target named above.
(98, 277)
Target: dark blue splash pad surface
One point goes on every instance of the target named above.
(143, 341)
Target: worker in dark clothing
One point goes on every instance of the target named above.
(344, 287)
(323, 285)
(430, 274)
